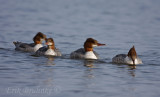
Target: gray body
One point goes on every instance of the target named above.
(80, 54)
(41, 51)
(120, 58)
(24, 46)
(124, 59)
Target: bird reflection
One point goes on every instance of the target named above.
(50, 60)
(48, 82)
(89, 71)
(89, 63)
(130, 68)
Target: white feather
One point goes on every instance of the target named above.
(90, 55)
(37, 46)
(94, 45)
(49, 43)
(129, 61)
(50, 52)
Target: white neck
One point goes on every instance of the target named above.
(90, 55)
(37, 46)
(50, 52)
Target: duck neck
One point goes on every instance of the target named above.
(87, 49)
(51, 47)
(37, 42)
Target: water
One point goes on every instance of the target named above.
(118, 23)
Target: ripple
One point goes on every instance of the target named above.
(8, 69)
(1, 48)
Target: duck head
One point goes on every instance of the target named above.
(50, 43)
(39, 37)
(90, 43)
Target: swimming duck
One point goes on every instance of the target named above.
(130, 58)
(49, 50)
(31, 47)
(87, 52)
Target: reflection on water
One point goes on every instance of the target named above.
(89, 73)
(89, 63)
(50, 60)
(90, 66)
(49, 82)
(132, 73)
(130, 68)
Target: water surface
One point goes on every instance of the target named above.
(118, 23)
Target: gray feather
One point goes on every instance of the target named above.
(120, 58)
(80, 54)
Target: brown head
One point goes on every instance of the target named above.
(50, 43)
(90, 43)
(132, 54)
(39, 37)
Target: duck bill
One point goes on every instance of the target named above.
(100, 44)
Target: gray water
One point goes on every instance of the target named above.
(118, 23)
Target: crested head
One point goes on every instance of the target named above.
(50, 43)
(39, 37)
(90, 43)
(132, 54)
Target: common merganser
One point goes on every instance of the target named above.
(31, 47)
(87, 52)
(49, 50)
(130, 58)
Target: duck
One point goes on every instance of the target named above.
(131, 58)
(31, 47)
(49, 50)
(87, 52)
